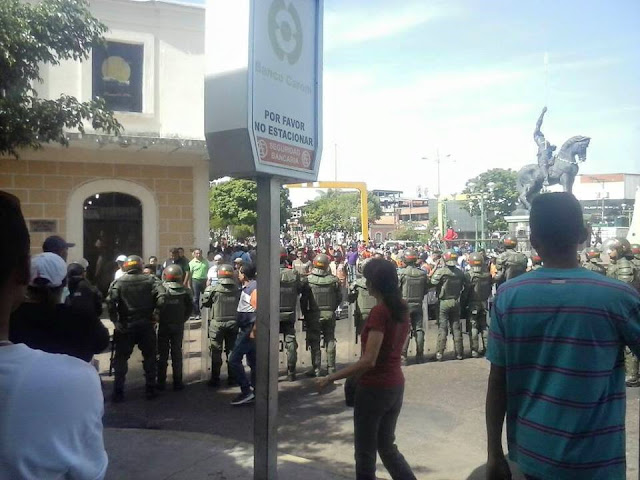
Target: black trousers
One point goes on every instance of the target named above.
(170, 340)
(143, 335)
(375, 415)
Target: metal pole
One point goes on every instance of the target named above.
(438, 172)
(482, 220)
(265, 442)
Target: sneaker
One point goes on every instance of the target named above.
(632, 382)
(243, 398)
(459, 357)
(439, 356)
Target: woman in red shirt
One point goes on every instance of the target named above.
(380, 389)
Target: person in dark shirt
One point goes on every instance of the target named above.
(82, 295)
(43, 323)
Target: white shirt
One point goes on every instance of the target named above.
(51, 409)
(212, 274)
(118, 274)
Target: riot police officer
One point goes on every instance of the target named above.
(133, 308)
(361, 298)
(622, 268)
(449, 280)
(635, 250)
(477, 292)
(510, 263)
(222, 300)
(593, 261)
(290, 289)
(536, 260)
(414, 285)
(175, 307)
(318, 305)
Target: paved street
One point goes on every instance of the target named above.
(441, 429)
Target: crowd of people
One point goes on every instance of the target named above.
(50, 308)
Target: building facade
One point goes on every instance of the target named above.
(146, 190)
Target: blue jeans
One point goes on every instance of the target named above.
(198, 286)
(243, 346)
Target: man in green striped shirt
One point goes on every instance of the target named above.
(199, 268)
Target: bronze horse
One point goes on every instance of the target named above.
(562, 171)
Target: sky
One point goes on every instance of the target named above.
(467, 79)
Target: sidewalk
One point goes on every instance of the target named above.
(163, 454)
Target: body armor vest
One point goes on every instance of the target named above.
(514, 264)
(324, 295)
(625, 271)
(480, 286)
(136, 293)
(365, 300)
(225, 297)
(452, 284)
(414, 284)
(176, 304)
(289, 289)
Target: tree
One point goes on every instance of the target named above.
(30, 35)
(498, 187)
(234, 203)
(335, 210)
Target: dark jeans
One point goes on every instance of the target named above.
(244, 346)
(143, 335)
(375, 415)
(198, 286)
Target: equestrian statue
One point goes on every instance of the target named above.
(552, 169)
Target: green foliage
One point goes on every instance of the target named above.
(234, 203)
(47, 32)
(498, 186)
(410, 233)
(334, 210)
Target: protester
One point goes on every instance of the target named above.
(245, 344)
(42, 322)
(82, 295)
(556, 344)
(51, 406)
(120, 259)
(58, 245)
(199, 268)
(380, 389)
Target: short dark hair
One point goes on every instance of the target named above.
(248, 270)
(556, 221)
(175, 250)
(17, 243)
(152, 256)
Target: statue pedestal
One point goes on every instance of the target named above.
(519, 227)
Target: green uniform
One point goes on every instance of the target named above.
(133, 302)
(450, 283)
(318, 304)
(595, 265)
(222, 301)
(477, 291)
(414, 284)
(175, 307)
(624, 270)
(510, 264)
(290, 289)
(363, 303)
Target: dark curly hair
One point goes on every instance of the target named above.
(382, 277)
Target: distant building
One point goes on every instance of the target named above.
(608, 198)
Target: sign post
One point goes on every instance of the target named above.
(263, 117)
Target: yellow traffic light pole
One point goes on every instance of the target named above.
(360, 186)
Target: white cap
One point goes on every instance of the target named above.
(218, 257)
(121, 258)
(48, 269)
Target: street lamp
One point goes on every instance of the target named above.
(438, 160)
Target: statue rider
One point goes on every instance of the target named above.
(545, 149)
